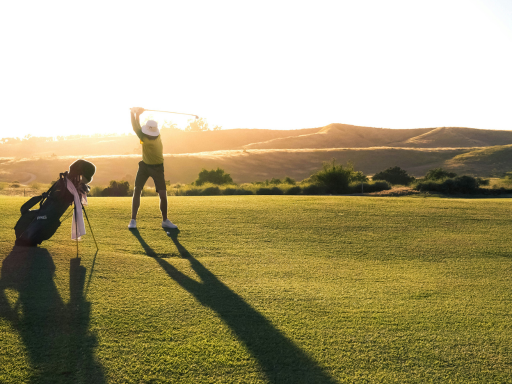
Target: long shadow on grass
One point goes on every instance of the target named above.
(280, 359)
(60, 348)
(147, 249)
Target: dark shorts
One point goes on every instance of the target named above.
(146, 171)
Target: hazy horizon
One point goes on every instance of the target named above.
(131, 133)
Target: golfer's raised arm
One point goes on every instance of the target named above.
(134, 114)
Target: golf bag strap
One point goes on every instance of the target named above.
(36, 199)
(29, 204)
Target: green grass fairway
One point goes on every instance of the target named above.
(263, 289)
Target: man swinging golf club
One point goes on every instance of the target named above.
(152, 165)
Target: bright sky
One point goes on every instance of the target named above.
(73, 67)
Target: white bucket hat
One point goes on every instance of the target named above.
(151, 128)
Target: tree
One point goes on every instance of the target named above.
(394, 175)
(200, 125)
(214, 176)
(358, 176)
(116, 188)
(439, 174)
(289, 180)
(197, 125)
(169, 125)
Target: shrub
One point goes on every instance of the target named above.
(289, 180)
(269, 191)
(481, 181)
(116, 188)
(217, 177)
(439, 174)
(178, 189)
(211, 191)
(237, 191)
(313, 189)
(394, 175)
(336, 178)
(15, 184)
(192, 192)
(376, 186)
(252, 187)
(459, 184)
(294, 191)
(149, 192)
(274, 181)
(333, 177)
(96, 191)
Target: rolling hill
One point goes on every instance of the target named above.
(258, 165)
(350, 136)
(256, 155)
(174, 140)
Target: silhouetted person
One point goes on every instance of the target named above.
(152, 165)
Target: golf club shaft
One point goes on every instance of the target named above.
(178, 113)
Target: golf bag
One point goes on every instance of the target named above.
(35, 226)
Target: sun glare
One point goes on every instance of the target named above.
(396, 64)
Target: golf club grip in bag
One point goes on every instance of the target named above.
(35, 226)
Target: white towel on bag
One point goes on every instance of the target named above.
(78, 221)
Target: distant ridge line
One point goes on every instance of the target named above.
(349, 136)
(331, 136)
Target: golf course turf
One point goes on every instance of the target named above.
(263, 289)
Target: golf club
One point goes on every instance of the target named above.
(178, 113)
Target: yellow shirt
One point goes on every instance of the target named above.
(152, 150)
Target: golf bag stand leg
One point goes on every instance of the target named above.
(88, 222)
(76, 229)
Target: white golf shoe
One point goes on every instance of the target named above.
(168, 224)
(133, 224)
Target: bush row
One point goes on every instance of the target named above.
(311, 189)
(246, 189)
(332, 179)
